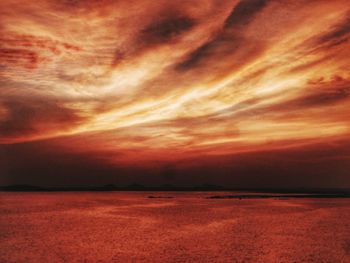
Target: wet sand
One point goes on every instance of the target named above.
(183, 227)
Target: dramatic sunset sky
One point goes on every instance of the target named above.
(250, 93)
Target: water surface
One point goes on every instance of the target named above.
(184, 227)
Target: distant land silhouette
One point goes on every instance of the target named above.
(265, 192)
(112, 187)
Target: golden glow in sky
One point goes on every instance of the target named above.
(160, 80)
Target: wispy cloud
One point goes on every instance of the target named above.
(152, 77)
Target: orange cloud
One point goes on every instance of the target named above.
(159, 80)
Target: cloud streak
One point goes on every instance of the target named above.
(159, 81)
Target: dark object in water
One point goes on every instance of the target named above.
(160, 197)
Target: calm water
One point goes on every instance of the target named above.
(129, 227)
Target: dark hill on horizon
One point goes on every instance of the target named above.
(168, 187)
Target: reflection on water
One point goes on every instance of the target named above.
(189, 227)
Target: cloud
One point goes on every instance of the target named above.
(35, 117)
(26, 58)
(338, 33)
(165, 29)
(148, 83)
(229, 39)
(325, 97)
(244, 12)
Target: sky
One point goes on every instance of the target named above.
(241, 93)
